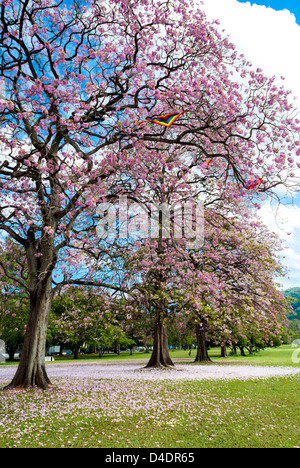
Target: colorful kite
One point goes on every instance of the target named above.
(251, 186)
(166, 120)
(206, 163)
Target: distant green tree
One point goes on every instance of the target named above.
(14, 309)
(294, 329)
(82, 317)
(294, 295)
(14, 298)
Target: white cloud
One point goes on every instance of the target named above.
(283, 220)
(293, 259)
(268, 38)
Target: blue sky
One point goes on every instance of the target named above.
(268, 33)
(292, 5)
(290, 214)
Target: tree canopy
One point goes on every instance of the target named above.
(82, 85)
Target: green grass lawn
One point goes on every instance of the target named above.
(281, 356)
(112, 413)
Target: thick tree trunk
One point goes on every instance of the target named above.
(202, 353)
(31, 371)
(224, 351)
(76, 352)
(160, 355)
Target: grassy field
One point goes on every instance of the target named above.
(112, 414)
(281, 356)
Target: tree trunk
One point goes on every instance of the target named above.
(160, 355)
(202, 353)
(11, 350)
(76, 352)
(224, 351)
(31, 371)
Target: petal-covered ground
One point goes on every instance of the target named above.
(135, 371)
(124, 405)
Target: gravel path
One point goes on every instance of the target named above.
(135, 371)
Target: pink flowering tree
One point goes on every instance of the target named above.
(233, 284)
(227, 288)
(77, 83)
